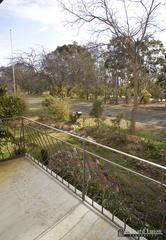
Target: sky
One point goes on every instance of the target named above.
(37, 24)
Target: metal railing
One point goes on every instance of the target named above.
(115, 183)
(11, 138)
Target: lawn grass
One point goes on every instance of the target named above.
(123, 191)
(151, 134)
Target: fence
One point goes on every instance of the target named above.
(11, 138)
(115, 183)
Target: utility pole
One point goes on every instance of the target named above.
(14, 79)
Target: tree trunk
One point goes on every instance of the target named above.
(116, 99)
(96, 96)
(133, 118)
(87, 96)
(69, 92)
(126, 98)
(105, 98)
(135, 104)
(116, 91)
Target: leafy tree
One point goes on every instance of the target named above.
(132, 28)
(118, 64)
(161, 83)
(67, 67)
(151, 58)
(153, 54)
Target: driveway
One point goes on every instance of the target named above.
(157, 117)
(33, 100)
(147, 116)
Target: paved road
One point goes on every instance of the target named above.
(34, 100)
(156, 117)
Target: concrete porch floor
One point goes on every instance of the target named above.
(34, 205)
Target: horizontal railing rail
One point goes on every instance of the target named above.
(89, 141)
(97, 144)
(117, 184)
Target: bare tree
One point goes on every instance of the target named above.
(132, 21)
(31, 59)
(29, 73)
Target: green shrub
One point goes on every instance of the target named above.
(48, 101)
(11, 106)
(117, 121)
(146, 96)
(97, 109)
(56, 109)
(21, 95)
(152, 149)
(78, 92)
(3, 90)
